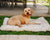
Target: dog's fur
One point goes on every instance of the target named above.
(21, 19)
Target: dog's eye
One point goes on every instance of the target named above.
(28, 10)
(25, 11)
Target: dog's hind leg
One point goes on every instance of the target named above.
(35, 23)
(18, 23)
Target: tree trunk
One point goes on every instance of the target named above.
(34, 2)
(49, 8)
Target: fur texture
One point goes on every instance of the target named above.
(21, 19)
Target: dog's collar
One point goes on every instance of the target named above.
(25, 16)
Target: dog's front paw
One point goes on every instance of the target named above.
(27, 23)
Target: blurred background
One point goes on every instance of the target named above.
(16, 7)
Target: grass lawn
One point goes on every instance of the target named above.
(23, 32)
(45, 4)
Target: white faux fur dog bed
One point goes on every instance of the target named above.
(44, 26)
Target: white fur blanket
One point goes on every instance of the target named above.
(44, 26)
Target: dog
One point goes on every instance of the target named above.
(21, 19)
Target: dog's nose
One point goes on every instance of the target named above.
(27, 12)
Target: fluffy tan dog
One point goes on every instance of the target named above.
(21, 19)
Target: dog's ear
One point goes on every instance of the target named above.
(31, 11)
(23, 14)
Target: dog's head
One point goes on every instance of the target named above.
(28, 11)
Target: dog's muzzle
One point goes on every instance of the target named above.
(27, 12)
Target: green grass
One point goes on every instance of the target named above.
(23, 32)
(45, 4)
